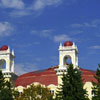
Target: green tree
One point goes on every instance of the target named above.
(15, 94)
(96, 85)
(36, 92)
(5, 89)
(72, 86)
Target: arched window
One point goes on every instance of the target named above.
(52, 92)
(67, 60)
(92, 92)
(2, 64)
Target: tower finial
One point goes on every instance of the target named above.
(8, 49)
(60, 46)
(13, 52)
(73, 43)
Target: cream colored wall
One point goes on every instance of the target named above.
(88, 86)
(54, 88)
(8, 79)
(59, 80)
(51, 87)
(71, 54)
(20, 88)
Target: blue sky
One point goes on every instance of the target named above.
(34, 29)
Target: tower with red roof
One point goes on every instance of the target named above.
(7, 62)
(67, 51)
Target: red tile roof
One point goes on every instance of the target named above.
(45, 77)
(48, 76)
(88, 75)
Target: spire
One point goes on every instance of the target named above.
(8, 49)
(73, 43)
(13, 52)
(60, 45)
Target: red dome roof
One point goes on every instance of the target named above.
(49, 76)
(68, 43)
(45, 77)
(5, 47)
(88, 75)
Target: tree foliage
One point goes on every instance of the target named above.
(72, 86)
(36, 92)
(5, 89)
(96, 85)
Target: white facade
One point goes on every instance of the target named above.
(66, 52)
(7, 58)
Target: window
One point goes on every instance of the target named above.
(2, 64)
(67, 60)
(52, 92)
(92, 92)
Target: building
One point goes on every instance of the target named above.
(51, 77)
(7, 64)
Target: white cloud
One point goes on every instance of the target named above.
(40, 4)
(6, 29)
(20, 8)
(16, 4)
(61, 38)
(19, 13)
(95, 47)
(24, 68)
(19, 69)
(91, 24)
(76, 32)
(86, 24)
(77, 25)
(46, 33)
(96, 21)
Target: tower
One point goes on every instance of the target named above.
(67, 51)
(7, 62)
